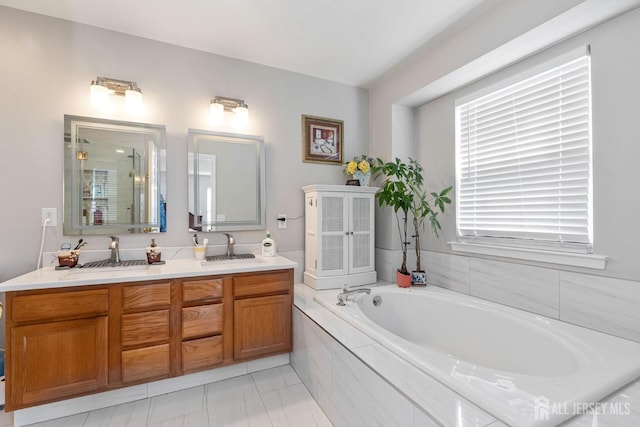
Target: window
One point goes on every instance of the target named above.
(523, 161)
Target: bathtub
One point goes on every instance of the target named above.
(525, 369)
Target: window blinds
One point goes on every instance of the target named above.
(524, 160)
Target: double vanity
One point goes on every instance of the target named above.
(76, 332)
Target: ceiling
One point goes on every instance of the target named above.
(356, 42)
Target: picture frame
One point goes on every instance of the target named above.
(322, 140)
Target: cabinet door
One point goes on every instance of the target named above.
(53, 360)
(361, 233)
(333, 234)
(262, 326)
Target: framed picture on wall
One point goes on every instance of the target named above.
(321, 140)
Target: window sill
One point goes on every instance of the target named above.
(596, 262)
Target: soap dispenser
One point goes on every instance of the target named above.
(268, 246)
(154, 253)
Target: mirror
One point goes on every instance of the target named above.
(114, 177)
(226, 181)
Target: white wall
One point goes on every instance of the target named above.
(47, 66)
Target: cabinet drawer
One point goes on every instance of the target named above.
(145, 363)
(60, 305)
(202, 353)
(262, 284)
(145, 328)
(145, 296)
(201, 320)
(201, 290)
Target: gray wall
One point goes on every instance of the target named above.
(47, 66)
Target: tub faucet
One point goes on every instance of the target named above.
(115, 250)
(230, 243)
(346, 293)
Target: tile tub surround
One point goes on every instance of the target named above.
(600, 303)
(320, 341)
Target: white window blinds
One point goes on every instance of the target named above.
(523, 160)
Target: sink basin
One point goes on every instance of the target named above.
(230, 258)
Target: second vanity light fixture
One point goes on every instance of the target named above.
(220, 104)
(102, 87)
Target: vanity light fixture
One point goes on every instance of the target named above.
(102, 87)
(220, 104)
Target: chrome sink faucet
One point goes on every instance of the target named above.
(230, 243)
(115, 250)
(346, 293)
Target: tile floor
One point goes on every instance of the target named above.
(273, 397)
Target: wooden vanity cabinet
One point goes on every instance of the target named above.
(262, 313)
(58, 345)
(74, 341)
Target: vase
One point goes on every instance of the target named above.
(403, 280)
(362, 177)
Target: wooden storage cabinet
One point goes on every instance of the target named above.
(57, 345)
(69, 342)
(262, 314)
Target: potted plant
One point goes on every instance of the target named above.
(396, 192)
(424, 205)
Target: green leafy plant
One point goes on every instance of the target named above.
(425, 205)
(403, 191)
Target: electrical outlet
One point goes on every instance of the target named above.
(52, 215)
(282, 221)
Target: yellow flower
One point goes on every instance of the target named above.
(364, 166)
(351, 167)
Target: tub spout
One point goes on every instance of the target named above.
(346, 293)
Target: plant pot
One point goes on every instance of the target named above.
(418, 278)
(403, 280)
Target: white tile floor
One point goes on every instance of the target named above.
(274, 397)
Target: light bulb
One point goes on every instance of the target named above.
(133, 98)
(216, 113)
(99, 95)
(242, 117)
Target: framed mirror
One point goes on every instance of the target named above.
(114, 177)
(226, 181)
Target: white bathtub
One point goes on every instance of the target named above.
(525, 369)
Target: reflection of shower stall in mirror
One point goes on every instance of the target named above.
(202, 175)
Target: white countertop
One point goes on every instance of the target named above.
(49, 277)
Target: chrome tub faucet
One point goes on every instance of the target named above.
(346, 293)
